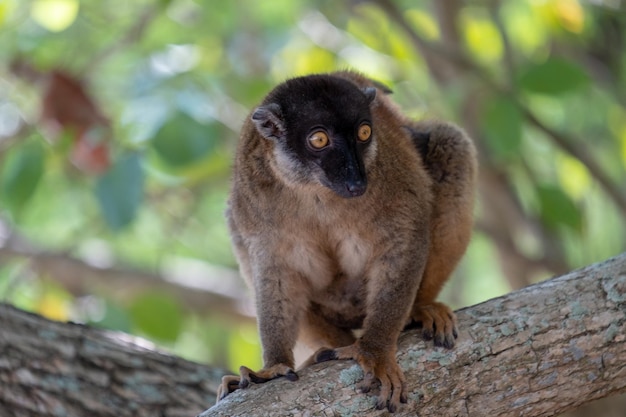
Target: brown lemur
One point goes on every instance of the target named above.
(345, 214)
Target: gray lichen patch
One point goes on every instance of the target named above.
(615, 289)
(611, 332)
(577, 310)
(576, 351)
(355, 406)
(351, 375)
(416, 396)
(411, 358)
(507, 329)
(443, 358)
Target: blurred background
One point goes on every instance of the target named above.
(118, 122)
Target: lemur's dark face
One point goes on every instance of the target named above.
(322, 128)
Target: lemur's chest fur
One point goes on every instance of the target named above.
(333, 262)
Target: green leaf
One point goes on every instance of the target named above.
(557, 208)
(502, 124)
(182, 140)
(554, 76)
(21, 173)
(55, 15)
(158, 315)
(120, 191)
(115, 318)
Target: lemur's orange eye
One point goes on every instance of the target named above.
(318, 140)
(365, 131)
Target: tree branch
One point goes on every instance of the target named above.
(54, 369)
(538, 351)
(572, 146)
(131, 36)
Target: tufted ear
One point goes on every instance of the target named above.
(370, 93)
(268, 121)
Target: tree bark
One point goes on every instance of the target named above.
(56, 369)
(536, 352)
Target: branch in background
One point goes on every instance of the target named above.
(197, 288)
(436, 61)
(569, 145)
(509, 61)
(504, 220)
(132, 35)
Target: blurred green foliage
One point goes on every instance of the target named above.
(134, 172)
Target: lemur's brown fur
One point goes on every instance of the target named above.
(323, 265)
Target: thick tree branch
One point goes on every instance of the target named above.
(54, 369)
(536, 352)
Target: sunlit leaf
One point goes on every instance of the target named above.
(482, 38)
(571, 14)
(558, 209)
(423, 23)
(244, 347)
(561, 14)
(53, 307)
(21, 173)
(553, 76)
(6, 7)
(295, 61)
(53, 301)
(157, 315)
(120, 191)
(502, 123)
(573, 176)
(182, 140)
(526, 32)
(55, 15)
